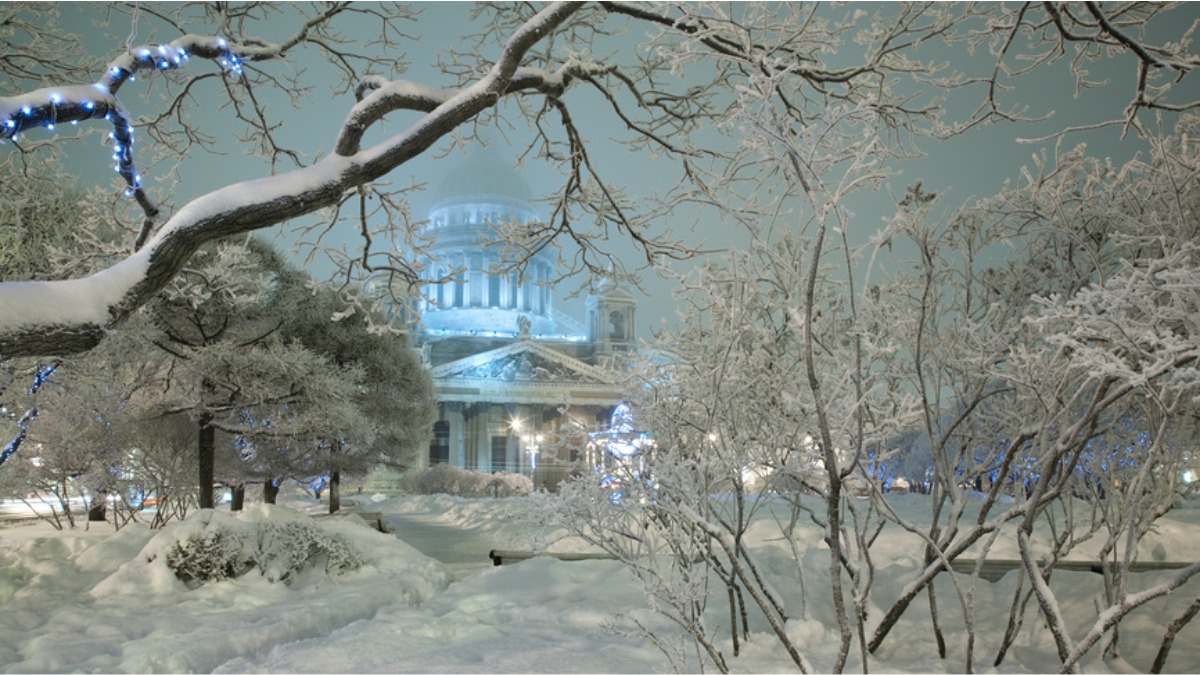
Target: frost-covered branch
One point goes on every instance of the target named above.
(72, 316)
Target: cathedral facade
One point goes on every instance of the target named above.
(518, 382)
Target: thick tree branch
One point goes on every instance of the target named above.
(73, 316)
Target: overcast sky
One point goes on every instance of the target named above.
(974, 164)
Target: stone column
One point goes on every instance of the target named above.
(458, 438)
(483, 437)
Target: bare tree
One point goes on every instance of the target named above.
(798, 363)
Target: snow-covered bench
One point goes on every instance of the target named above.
(372, 518)
(500, 557)
(995, 568)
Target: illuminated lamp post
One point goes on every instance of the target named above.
(532, 445)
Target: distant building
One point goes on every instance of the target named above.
(516, 380)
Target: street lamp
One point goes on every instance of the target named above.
(532, 444)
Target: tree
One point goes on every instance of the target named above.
(396, 394)
(36, 213)
(232, 368)
(86, 439)
(797, 361)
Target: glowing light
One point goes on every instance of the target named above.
(1190, 476)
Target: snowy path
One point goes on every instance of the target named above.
(464, 551)
(538, 616)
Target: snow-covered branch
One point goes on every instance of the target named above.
(72, 316)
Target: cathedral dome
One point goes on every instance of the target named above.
(479, 177)
(472, 288)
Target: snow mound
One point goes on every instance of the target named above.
(212, 546)
(113, 604)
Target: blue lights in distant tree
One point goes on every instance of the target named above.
(41, 376)
(621, 439)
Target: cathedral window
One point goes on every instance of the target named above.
(616, 325)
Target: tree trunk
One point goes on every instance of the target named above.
(99, 509)
(270, 491)
(206, 459)
(239, 497)
(335, 493)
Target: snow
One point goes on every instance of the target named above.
(28, 305)
(73, 302)
(99, 600)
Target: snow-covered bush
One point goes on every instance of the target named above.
(213, 547)
(289, 548)
(446, 479)
(212, 555)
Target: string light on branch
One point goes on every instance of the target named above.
(44, 371)
(46, 108)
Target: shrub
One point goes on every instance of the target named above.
(280, 550)
(289, 548)
(213, 555)
(449, 480)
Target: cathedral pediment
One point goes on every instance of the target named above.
(524, 361)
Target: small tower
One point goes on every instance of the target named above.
(611, 326)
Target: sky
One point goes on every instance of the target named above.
(976, 164)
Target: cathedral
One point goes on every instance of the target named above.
(518, 385)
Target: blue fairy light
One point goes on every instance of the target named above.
(157, 57)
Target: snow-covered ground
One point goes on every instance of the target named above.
(92, 601)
